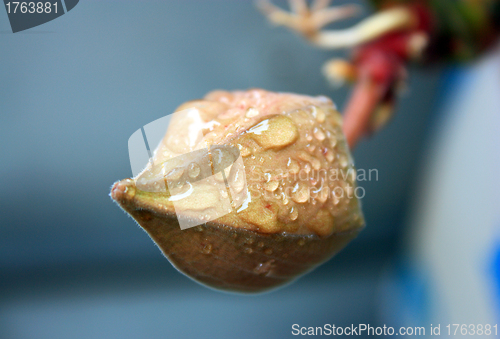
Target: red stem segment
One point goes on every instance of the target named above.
(363, 101)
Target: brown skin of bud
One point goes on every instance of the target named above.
(275, 239)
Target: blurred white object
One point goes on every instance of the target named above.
(452, 272)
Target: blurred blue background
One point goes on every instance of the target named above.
(72, 91)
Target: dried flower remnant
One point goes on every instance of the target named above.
(289, 221)
(384, 44)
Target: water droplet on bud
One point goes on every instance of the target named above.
(193, 170)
